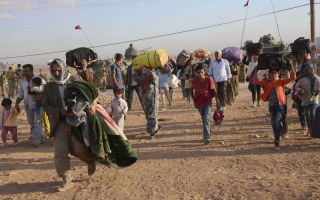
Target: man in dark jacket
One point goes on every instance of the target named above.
(63, 142)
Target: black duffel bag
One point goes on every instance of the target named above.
(316, 126)
(254, 49)
(75, 57)
(270, 61)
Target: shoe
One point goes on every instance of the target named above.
(277, 148)
(3, 144)
(35, 145)
(159, 128)
(91, 168)
(66, 185)
(304, 127)
(206, 142)
(259, 104)
(286, 135)
(151, 137)
(254, 104)
(15, 143)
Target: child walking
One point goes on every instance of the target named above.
(37, 88)
(187, 86)
(119, 108)
(9, 122)
(202, 91)
(275, 94)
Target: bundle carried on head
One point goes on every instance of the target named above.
(233, 53)
(201, 54)
(274, 61)
(131, 53)
(75, 57)
(183, 58)
(300, 45)
(151, 59)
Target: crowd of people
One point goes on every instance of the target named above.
(200, 82)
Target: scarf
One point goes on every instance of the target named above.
(65, 75)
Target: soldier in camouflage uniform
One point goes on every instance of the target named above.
(44, 76)
(3, 83)
(103, 77)
(11, 81)
(19, 77)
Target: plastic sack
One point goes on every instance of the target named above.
(153, 59)
(233, 53)
(183, 58)
(131, 52)
(174, 81)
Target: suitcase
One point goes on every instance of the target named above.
(254, 49)
(299, 45)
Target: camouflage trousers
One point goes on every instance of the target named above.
(3, 89)
(17, 84)
(11, 83)
(103, 83)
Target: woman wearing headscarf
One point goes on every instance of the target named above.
(148, 80)
(254, 89)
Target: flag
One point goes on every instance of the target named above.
(77, 27)
(246, 4)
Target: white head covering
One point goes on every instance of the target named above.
(65, 75)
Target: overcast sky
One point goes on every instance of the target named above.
(37, 26)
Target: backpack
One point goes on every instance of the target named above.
(316, 127)
(183, 58)
(299, 45)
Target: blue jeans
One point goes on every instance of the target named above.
(310, 112)
(205, 113)
(36, 128)
(276, 113)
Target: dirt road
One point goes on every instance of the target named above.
(239, 164)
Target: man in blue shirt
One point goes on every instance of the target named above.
(116, 72)
(220, 71)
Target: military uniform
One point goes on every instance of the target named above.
(11, 82)
(19, 77)
(45, 77)
(3, 84)
(103, 77)
(243, 73)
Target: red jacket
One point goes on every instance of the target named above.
(278, 85)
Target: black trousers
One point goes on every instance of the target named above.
(222, 92)
(131, 89)
(302, 114)
(256, 91)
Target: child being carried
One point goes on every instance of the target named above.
(37, 89)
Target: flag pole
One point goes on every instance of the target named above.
(77, 28)
(244, 24)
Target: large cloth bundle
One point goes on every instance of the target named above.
(299, 45)
(131, 52)
(183, 58)
(201, 53)
(233, 53)
(98, 132)
(75, 57)
(152, 59)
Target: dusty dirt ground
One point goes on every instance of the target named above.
(239, 164)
